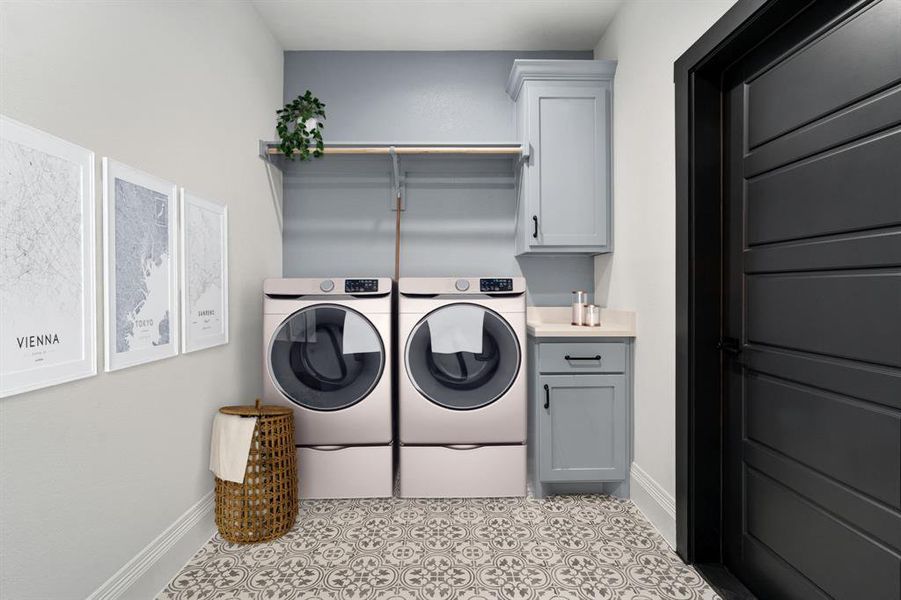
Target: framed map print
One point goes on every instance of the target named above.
(204, 273)
(47, 306)
(139, 266)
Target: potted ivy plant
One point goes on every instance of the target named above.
(299, 127)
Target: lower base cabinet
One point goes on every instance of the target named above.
(582, 428)
(580, 417)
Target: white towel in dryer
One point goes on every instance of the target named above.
(457, 328)
(359, 336)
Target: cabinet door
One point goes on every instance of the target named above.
(582, 428)
(568, 191)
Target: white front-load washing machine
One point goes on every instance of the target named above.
(462, 379)
(327, 355)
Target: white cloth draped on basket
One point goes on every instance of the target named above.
(230, 446)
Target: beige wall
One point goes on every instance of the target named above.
(646, 37)
(92, 471)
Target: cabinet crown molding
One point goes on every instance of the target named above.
(557, 70)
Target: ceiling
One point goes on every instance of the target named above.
(437, 24)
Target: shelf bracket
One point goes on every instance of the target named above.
(398, 200)
(264, 151)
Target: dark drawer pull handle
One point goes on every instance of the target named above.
(595, 357)
(535, 222)
(547, 397)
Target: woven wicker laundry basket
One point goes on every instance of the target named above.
(264, 507)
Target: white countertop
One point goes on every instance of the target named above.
(554, 321)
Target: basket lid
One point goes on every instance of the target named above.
(260, 410)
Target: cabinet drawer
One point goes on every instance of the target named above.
(582, 357)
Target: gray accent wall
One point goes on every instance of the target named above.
(460, 212)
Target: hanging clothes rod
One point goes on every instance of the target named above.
(412, 149)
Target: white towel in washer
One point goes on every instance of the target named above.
(359, 336)
(230, 446)
(457, 328)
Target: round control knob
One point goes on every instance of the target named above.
(327, 285)
(462, 285)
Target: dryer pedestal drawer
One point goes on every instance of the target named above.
(345, 472)
(462, 471)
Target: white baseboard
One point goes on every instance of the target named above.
(147, 573)
(655, 503)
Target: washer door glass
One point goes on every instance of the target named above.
(326, 357)
(462, 356)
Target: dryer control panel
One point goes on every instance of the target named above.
(361, 286)
(496, 284)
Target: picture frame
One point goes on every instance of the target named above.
(48, 332)
(204, 273)
(140, 266)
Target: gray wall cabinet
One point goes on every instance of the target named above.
(564, 117)
(580, 415)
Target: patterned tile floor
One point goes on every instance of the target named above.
(563, 547)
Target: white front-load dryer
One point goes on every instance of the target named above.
(462, 398)
(327, 355)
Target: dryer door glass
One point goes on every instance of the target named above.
(463, 356)
(326, 357)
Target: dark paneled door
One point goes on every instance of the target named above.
(812, 347)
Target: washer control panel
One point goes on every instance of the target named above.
(497, 284)
(360, 286)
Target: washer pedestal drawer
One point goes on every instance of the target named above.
(462, 471)
(345, 472)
